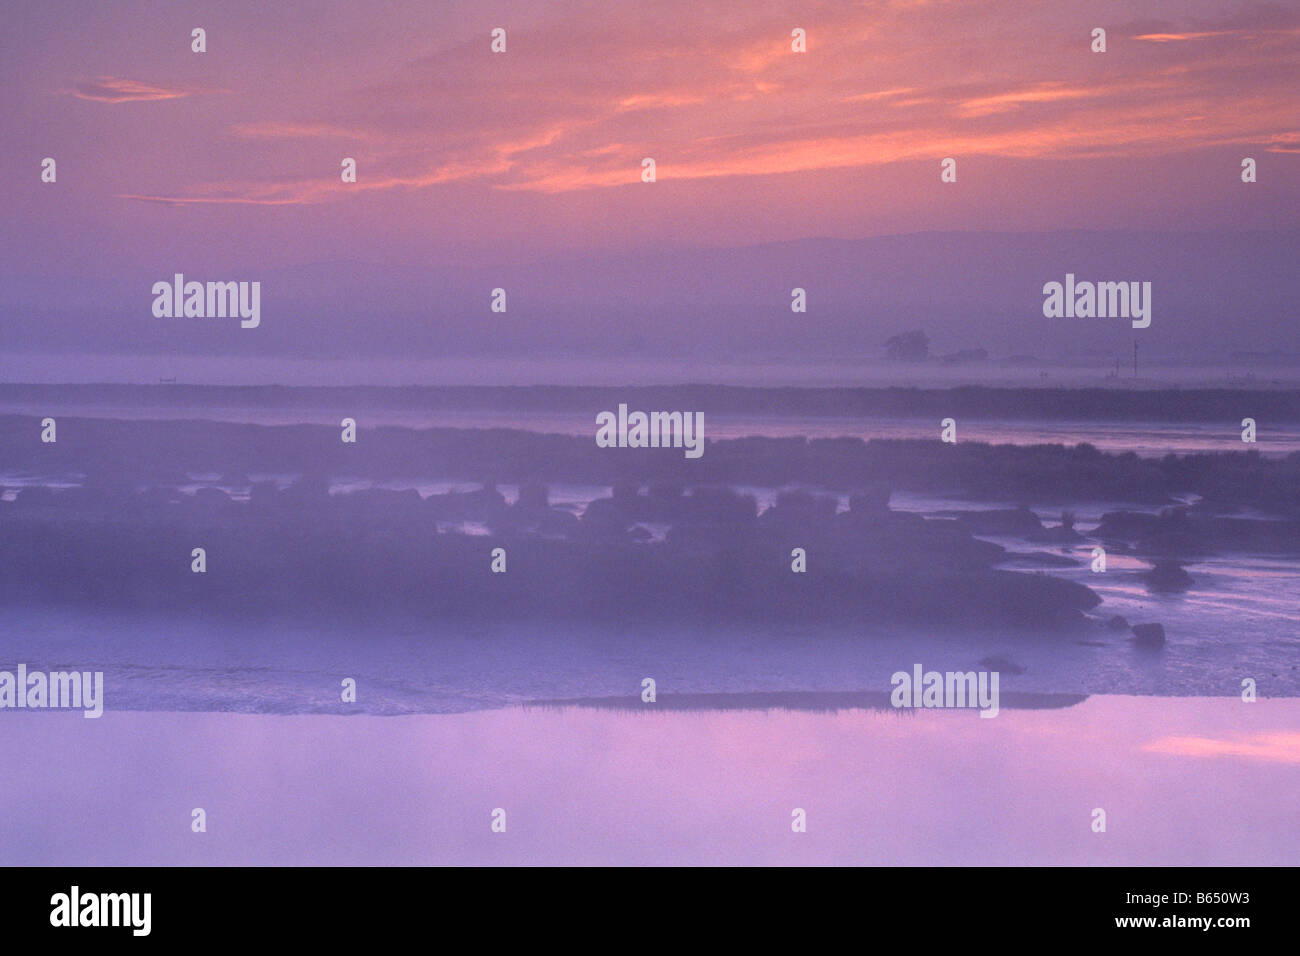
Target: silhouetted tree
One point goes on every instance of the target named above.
(908, 347)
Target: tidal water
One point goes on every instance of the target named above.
(1180, 781)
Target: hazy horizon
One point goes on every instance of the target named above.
(1211, 296)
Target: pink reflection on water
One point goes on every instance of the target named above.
(1284, 747)
(585, 785)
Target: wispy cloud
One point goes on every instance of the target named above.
(116, 89)
(309, 191)
(879, 95)
(1279, 33)
(1284, 143)
(1013, 99)
(209, 200)
(879, 85)
(1178, 37)
(280, 129)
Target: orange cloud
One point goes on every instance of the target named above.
(1049, 93)
(112, 89)
(879, 95)
(1176, 37)
(883, 84)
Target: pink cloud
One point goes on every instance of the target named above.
(878, 85)
(113, 89)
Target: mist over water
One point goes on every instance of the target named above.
(1148, 439)
(746, 368)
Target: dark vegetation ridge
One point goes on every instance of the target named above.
(123, 535)
(110, 452)
(722, 560)
(1226, 405)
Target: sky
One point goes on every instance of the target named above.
(509, 169)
